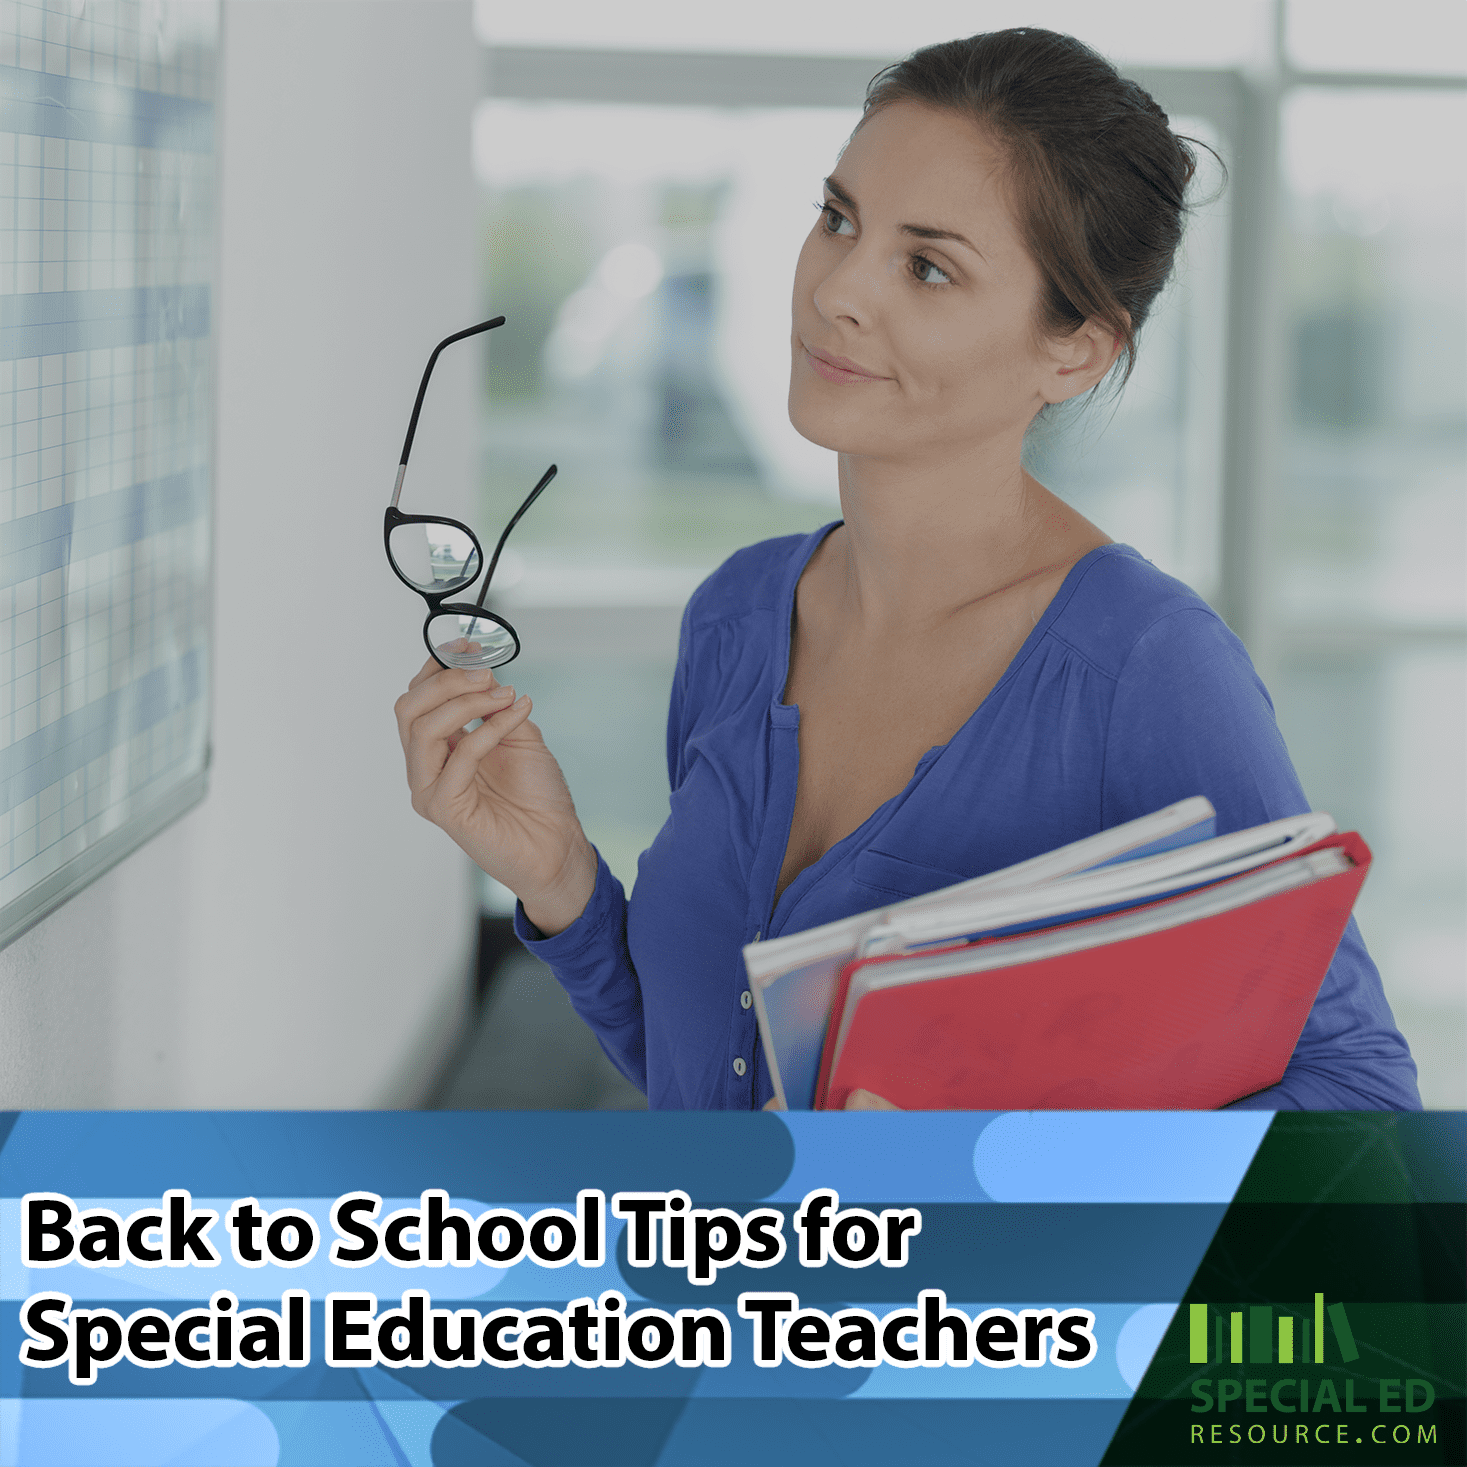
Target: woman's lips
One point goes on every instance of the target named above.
(839, 369)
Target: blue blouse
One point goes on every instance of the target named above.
(1129, 694)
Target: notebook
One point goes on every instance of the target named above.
(793, 979)
(1188, 1002)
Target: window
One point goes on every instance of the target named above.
(1368, 602)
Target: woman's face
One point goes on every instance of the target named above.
(916, 279)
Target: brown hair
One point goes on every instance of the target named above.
(1097, 177)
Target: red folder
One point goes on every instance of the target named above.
(1188, 1018)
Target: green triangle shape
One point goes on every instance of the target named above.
(1353, 1220)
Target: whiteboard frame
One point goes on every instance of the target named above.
(52, 891)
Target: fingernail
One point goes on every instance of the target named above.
(480, 674)
(501, 692)
(522, 702)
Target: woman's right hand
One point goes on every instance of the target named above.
(497, 791)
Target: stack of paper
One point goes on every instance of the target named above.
(1149, 966)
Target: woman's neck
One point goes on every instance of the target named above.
(924, 541)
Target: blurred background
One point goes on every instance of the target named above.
(1291, 443)
(629, 186)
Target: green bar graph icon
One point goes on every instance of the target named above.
(1197, 1334)
(1260, 1334)
(1301, 1344)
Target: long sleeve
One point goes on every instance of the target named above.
(591, 962)
(591, 959)
(1190, 716)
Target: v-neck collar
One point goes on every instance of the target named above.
(786, 632)
(787, 715)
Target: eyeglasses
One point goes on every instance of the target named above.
(436, 556)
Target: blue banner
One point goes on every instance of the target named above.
(606, 1288)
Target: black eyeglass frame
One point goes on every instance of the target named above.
(438, 603)
(394, 518)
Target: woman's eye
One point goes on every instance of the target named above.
(928, 273)
(833, 219)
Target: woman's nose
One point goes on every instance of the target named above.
(851, 288)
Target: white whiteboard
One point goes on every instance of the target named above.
(107, 219)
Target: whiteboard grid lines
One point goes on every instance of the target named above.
(106, 263)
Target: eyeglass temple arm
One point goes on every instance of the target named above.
(534, 494)
(407, 446)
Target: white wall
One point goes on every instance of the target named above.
(301, 938)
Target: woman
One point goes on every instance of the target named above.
(960, 673)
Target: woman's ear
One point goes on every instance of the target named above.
(1078, 361)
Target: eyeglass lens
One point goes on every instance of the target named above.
(464, 640)
(433, 557)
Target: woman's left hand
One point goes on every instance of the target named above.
(856, 1100)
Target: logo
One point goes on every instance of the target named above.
(1265, 1345)
(1303, 1408)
